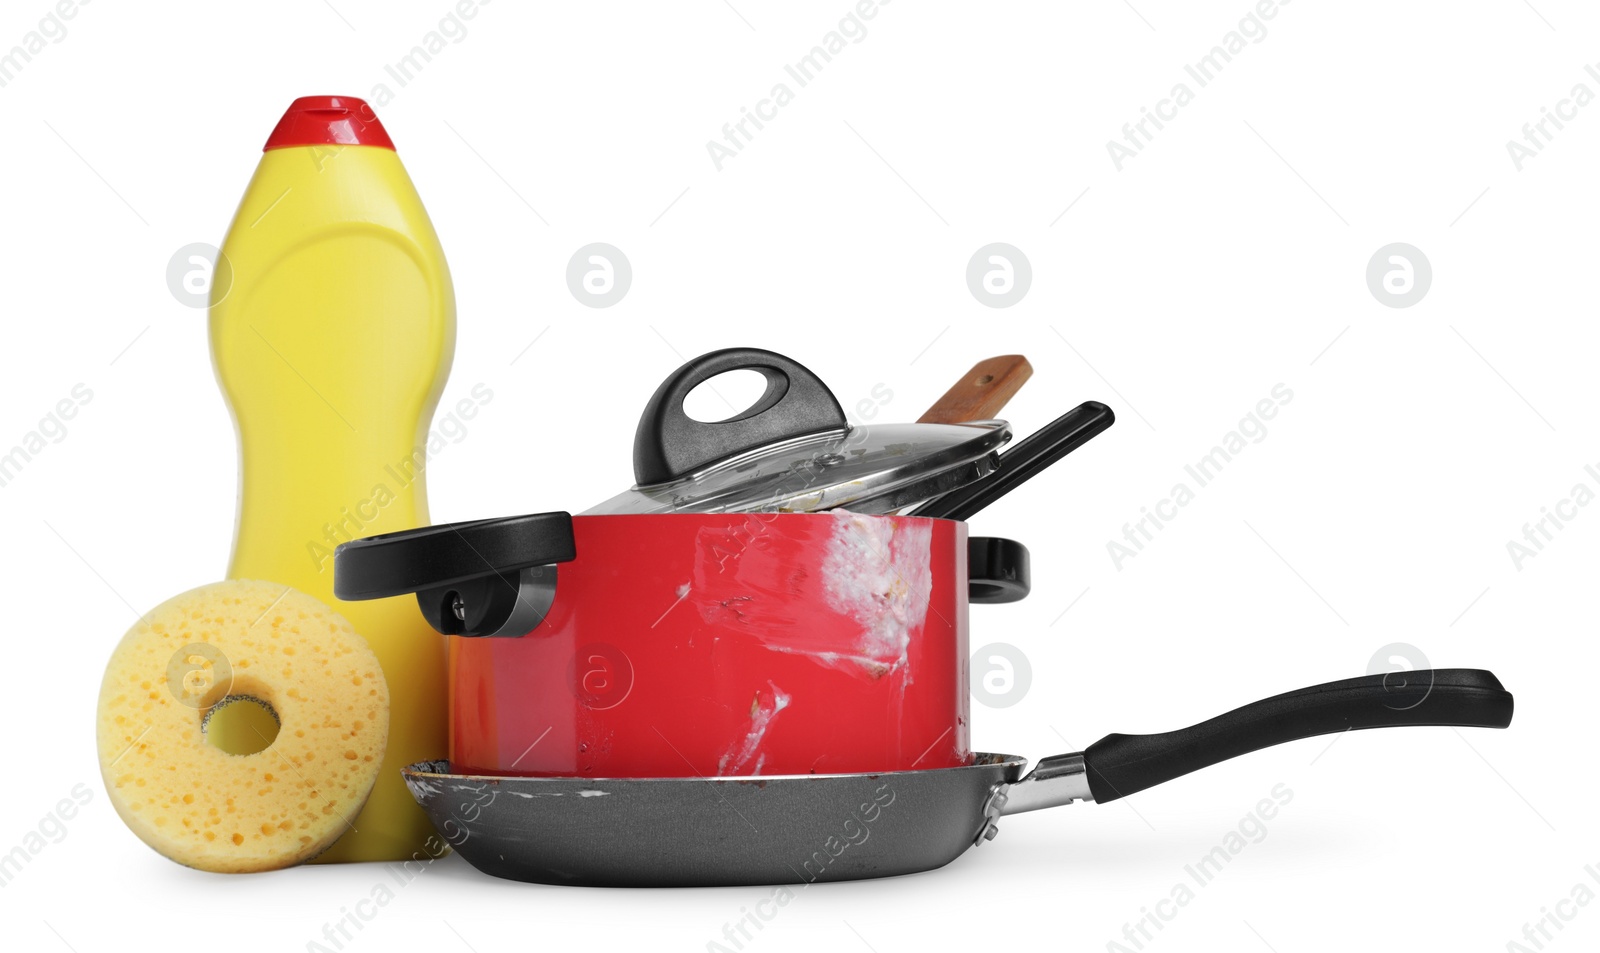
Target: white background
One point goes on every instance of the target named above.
(1228, 257)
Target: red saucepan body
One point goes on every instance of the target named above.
(729, 644)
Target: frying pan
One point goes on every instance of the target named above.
(804, 828)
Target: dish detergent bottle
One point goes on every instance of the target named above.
(332, 345)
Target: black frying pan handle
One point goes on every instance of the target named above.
(669, 444)
(1023, 462)
(1119, 765)
(997, 570)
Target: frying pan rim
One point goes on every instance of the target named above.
(982, 761)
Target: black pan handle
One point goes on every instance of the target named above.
(997, 570)
(1023, 462)
(478, 578)
(669, 444)
(1119, 765)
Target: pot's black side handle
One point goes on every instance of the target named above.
(669, 444)
(998, 570)
(1118, 765)
(493, 577)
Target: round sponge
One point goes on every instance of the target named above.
(220, 648)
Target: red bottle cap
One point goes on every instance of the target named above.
(328, 121)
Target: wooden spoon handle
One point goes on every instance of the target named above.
(981, 392)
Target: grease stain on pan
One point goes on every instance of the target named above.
(738, 759)
(422, 790)
(880, 572)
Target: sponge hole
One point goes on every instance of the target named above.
(240, 724)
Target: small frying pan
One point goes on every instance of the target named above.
(797, 829)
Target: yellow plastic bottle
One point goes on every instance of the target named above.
(332, 345)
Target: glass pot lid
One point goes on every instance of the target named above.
(792, 451)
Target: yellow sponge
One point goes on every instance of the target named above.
(217, 649)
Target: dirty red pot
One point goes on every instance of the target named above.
(770, 632)
(728, 644)
(700, 644)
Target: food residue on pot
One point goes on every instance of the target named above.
(775, 583)
(879, 572)
(761, 718)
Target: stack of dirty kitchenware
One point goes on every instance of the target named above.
(751, 666)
